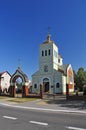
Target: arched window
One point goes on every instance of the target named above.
(45, 80)
(45, 52)
(71, 79)
(42, 53)
(57, 85)
(49, 52)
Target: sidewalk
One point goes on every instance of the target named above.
(55, 104)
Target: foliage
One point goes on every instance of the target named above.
(80, 78)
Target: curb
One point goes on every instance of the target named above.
(42, 109)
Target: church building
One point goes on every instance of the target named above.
(53, 75)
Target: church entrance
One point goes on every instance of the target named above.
(46, 85)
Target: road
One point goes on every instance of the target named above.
(21, 119)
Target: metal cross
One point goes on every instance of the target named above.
(49, 29)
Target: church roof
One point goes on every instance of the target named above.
(59, 56)
(36, 73)
(63, 68)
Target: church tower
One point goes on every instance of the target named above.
(48, 56)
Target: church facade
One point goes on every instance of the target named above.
(53, 75)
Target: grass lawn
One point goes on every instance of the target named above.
(21, 100)
(3, 97)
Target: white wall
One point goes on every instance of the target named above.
(55, 77)
(5, 81)
(64, 78)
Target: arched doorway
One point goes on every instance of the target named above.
(19, 84)
(46, 85)
(18, 87)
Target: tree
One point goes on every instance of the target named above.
(80, 78)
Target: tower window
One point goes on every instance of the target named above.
(35, 85)
(45, 52)
(59, 60)
(42, 53)
(57, 85)
(49, 52)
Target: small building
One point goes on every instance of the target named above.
(4, 81)
(53, 75)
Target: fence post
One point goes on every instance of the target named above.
(41, 92)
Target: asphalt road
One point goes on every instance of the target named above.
(21, 119)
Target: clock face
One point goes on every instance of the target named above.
(46, 68)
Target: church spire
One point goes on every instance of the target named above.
(48, 37)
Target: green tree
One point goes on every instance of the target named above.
(80, 78)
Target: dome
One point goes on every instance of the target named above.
(48, 41)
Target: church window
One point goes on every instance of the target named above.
(71, 79)
(57, 85)
(45, 52)
(58, 60)
(52, 86)
(49, 52)
(46, 68)
(42, 53)
(45, 80)
(35, 85)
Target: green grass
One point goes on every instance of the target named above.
(21, 100)
(3, 97)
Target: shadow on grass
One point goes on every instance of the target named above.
(80, 105)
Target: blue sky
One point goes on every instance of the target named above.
(24, 26)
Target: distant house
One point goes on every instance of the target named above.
(4, 81)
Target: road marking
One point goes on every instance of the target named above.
(43, 109)
(8, 117)
(74, 128)
(38, 123)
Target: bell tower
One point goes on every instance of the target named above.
(48, 59)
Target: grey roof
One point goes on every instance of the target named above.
(36, 73)
(64, 68)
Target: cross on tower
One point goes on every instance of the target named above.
(49, 29)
